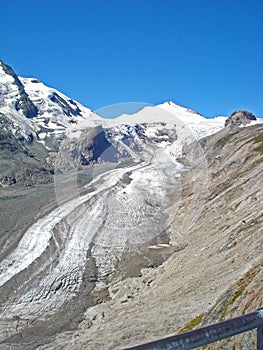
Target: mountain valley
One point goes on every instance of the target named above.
(115, 232)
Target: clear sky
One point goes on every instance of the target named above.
(203, 54)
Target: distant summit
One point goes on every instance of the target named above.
(29, 107)
(239, 118)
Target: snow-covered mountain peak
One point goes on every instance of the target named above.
(56, 110)
(33, 99)
(167, 112)
(4, 77)
(13, 95)
(30, 108)
(184, 112)
(170, 115)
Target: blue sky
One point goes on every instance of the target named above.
(203, 54)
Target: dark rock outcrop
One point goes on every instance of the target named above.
(90, 148)
(69, 110)
(22, 158)
(239, 118)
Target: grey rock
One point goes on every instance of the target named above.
(239, 118)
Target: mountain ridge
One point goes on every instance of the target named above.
(59, 121)
(55, 113)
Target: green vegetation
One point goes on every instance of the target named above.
(192, 324)
(259, 139)
(241, 286)
(236, 295)
(222, 316)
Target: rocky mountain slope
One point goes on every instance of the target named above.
(117, 232)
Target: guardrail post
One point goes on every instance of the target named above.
(260, 338)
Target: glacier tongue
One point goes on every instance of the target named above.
(124, 209)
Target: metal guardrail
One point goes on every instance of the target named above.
(210, 334)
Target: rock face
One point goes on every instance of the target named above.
(70, 108)
(90, 148)
(239, 118)
(23, 160)
(22, 101)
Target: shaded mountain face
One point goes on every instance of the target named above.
(23, 161)
(90, 148)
